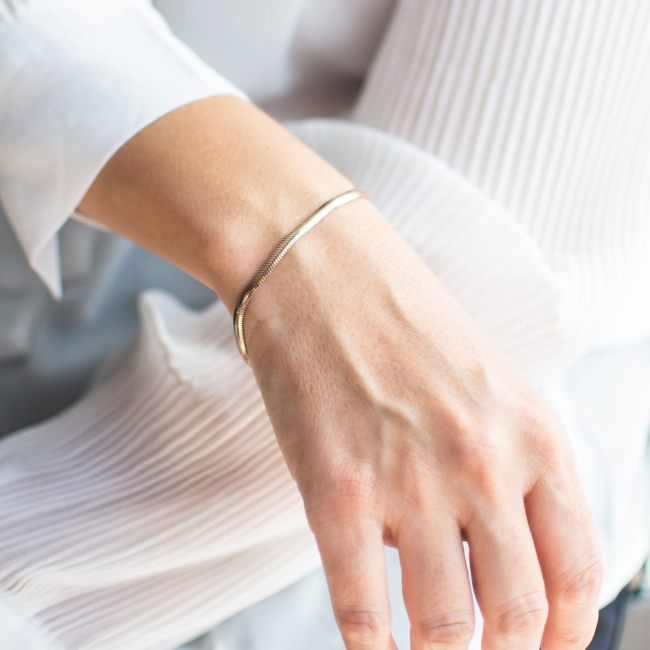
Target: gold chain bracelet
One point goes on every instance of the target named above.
(280, 251)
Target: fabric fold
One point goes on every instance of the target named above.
(157, 505)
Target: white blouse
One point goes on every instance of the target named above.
(510, 145)
(79, 77)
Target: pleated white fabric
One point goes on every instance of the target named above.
(545, 107)
(160, 504)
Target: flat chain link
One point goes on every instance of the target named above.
(280, 251)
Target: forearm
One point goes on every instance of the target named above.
(212, 187)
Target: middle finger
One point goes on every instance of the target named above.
(507, 578)
(437, 591)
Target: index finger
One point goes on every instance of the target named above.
(352, 550)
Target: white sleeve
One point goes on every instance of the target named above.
(78, 78)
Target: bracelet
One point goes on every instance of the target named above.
(280, 251)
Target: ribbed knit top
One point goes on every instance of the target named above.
(545, 107)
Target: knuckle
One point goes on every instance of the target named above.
(523, 616)
(545, 432)
(550, 448)
(581, 585)
(458, 422)
(351, 500)
(479, 448)
(569, 637)
(574, 641)
(473, 443)
(485, 460)
(363, 628)
(453, 628)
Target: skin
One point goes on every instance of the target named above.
(401, 420)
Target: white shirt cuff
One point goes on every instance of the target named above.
(78, 78)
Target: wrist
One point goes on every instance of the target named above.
(247, 242)
(352, 265)
(212, 187)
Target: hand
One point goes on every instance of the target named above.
(403, 423)
(401, 420)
